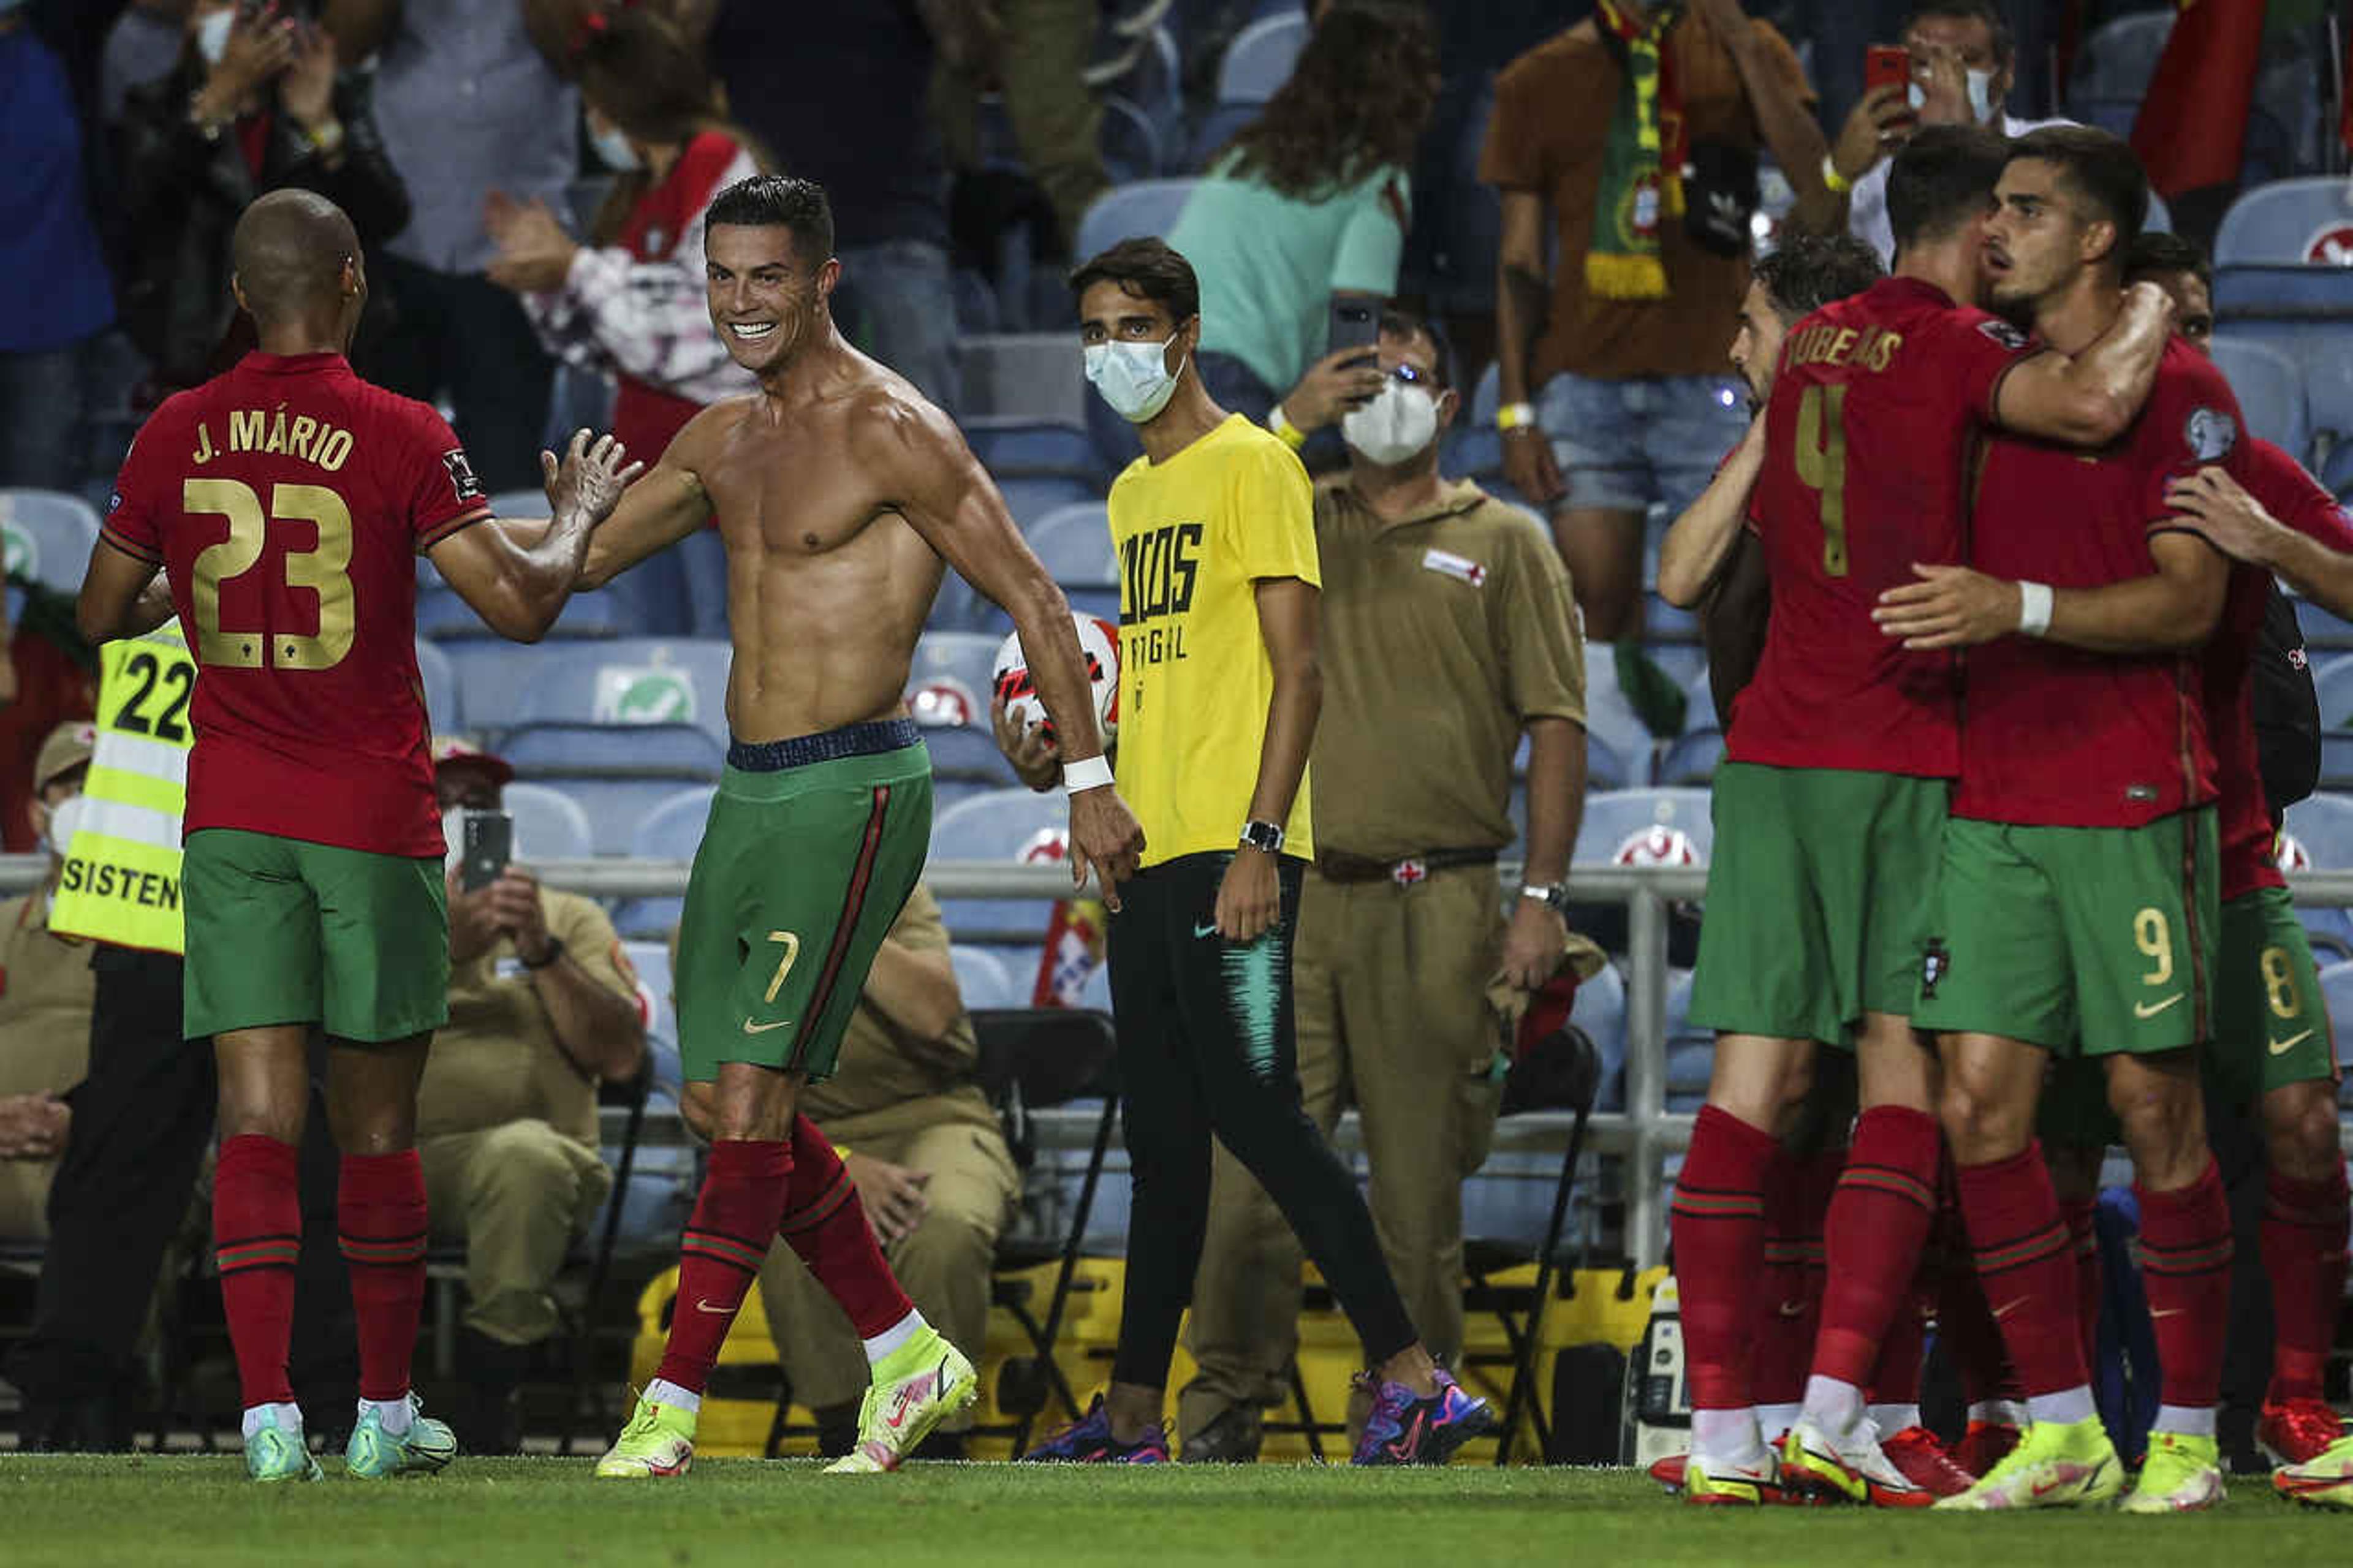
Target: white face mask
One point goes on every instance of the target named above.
(614, 148)
(1980, 88)
(212, 36)
(1397, 425)
(453, 834)
(64, 817)
(1133, 378)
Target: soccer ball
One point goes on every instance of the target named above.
(1097, 643)
(2289, 853)
(942, 702)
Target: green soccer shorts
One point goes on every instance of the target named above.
(2271, 1025)
(283, 932)
(1814, 899)
(802, 870)
(2083, 941)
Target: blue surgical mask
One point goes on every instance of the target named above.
(1133, 378)
(614, 148)
(212, 36)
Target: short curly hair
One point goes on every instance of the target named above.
(1808, 271)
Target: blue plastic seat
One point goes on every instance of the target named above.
(1600, 1011)
(1692, 760)
(1016, 446)
(1074, 543)
(1691, 1051)
(48, 536)
(1260, 57)
(548, 824)
(2119, 57)
(669, 829)
(997, 825)
(1614, 817)
(2270, 389)
(491, 675)
(1143, 207)
(982, 979)
(1031, 497)
(632, 681)
(439, 679)
(657, 993)
(2322, 824)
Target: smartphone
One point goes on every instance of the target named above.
(1355, 324)
(1886, 65)
(489, 846)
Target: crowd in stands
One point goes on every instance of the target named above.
(530, 179)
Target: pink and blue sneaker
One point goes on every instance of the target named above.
(1406, 1429)
(1088, 1441)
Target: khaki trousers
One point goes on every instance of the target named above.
(1056, 117)
(944, 1263)
(25, 1199)
(1391, 1013)
(517, 1195)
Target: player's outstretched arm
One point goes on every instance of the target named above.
(122, 596)
(519, 590)
(2242, 527)
(944, 494)
(2090, 398)
(1698, 543)
(2175, 606)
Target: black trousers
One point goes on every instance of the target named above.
(142, 1118)
(1205, 1048)
(462, 335)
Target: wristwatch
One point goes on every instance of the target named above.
(1266, 835)
(1553, 895)
(554, 951)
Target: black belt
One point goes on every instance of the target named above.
(1334, 866)
(867, 740)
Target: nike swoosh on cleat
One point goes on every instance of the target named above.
(2006, 1307)
(1408, 1443)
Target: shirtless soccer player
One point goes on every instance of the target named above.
(839, 491)
(285, 502)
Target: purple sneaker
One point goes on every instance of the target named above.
(1406, 1430)
(1088, 1441)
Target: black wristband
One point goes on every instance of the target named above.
(554, 951)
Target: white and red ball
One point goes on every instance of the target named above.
(1098, 645)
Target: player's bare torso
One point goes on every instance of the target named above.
(828, 585)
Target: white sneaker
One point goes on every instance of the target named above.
(1853, 1467)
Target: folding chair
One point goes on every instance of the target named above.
(1033, 1058)
(1563, 1072)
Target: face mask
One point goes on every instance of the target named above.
(1981, 90)
(65, 815)
(614, 148)
(212, 36)
(453, 834)
(1398, 424)
(1133, 378)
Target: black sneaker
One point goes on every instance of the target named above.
(1230, 1438)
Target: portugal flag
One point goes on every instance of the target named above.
(2192, 127)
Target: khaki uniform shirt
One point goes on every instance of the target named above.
(497, 1060)
(887, 1081)
(1443, 635)
(1551, 127)
(46, 992)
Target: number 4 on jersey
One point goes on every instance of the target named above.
(1821, 467)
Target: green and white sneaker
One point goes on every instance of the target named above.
(275, 1454)
(375, 1454)
(916, 1388)
(658, 1441)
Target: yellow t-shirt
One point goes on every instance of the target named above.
(1193, 535)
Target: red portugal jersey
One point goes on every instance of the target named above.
(2296, 498)
(287, 501)
(2057, 736)
(1869, 438)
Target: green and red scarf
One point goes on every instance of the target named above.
(1641, 170)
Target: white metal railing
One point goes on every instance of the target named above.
(1644, 1134)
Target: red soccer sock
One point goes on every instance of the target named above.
(1878, 1221)
(2026, 1269)
(719, 1255)
(1719, 1242)
(2081, 1215)
(256, 1238)
(1964, 1323)
(1789, 1294)
(2304, 1256)
(826, 1226)
(380, 1224)
(2185, 1266)
(1903, 1347)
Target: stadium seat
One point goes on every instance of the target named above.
(2324, 631)
(1691, 1052)
(2284, 222)
(1666, 623)
(492, 675)
(2332, 683)
(2337, 473)
(2322, 824)
(1217, 128)
(657, 993)
(1610, 718)
(48, 536)
(616, 806)
(1693, 759)
(1074, 542)
(661, 752)
(669, 829)
(1000, 826)
(1022, 379)
(1600, 1010)
(1015, 446)
(982, 979)
(1031, 497)
(632, 681)
(1145, 208)
(968, 658)
(2337, 991)
(443, 711)
(2328, 401)
(1260, 59)
(2270, 391)
(548, 825)
(1604, 768)
(1613, 818)
(1127, 139)
(2119, 57)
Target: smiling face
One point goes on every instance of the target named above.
(767, 301)
(2040, 235)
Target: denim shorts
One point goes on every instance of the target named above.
(1623, 444)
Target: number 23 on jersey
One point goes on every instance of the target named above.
(322, 569)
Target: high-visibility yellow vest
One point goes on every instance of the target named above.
(121, 882)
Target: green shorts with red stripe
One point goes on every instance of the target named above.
(812, 846)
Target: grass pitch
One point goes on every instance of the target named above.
(77, 1512)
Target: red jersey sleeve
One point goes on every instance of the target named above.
(2192, 420)
(432, 475)
(2295, 497)
(1977, 350)
(134, 513)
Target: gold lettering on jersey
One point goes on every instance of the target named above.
(269, 431)
(204, 452)
(1872, 348)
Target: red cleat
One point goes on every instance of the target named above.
(1669, 1472)
(2297, 1431)
(1984, 1445)
(1925, 1462)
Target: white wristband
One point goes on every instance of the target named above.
(1087, 772)
(2033, 608)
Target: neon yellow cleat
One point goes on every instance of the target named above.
(1855, 1469)
(658, 1441)
(2182, 1475)
(918, 1385)
(1726, 1486)
(2054, 1466)
(2325, 1480)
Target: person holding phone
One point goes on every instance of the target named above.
(1956, 67)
